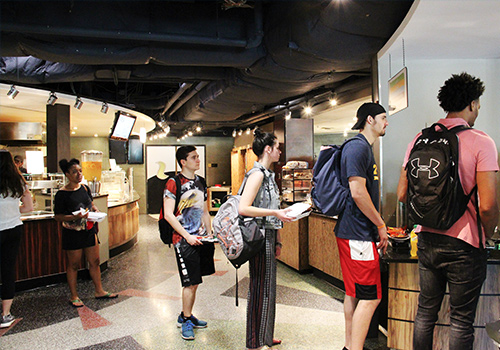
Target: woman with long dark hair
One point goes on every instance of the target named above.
(260, 198)
(79, 236)
(15, 198)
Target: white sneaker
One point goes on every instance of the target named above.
(6, 321)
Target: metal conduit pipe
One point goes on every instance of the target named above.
(193, 92)
(175, 97)
(121, 35)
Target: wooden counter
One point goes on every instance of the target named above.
(403, 302)
(295, 252)
(123, 219)
(323, 251)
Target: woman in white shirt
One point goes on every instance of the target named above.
(15, 199)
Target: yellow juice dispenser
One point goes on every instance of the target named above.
(91, 169)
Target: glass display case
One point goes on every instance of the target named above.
(296, 184)
(115, 184)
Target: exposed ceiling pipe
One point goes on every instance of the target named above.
(188, 97)
(175, 97)
(122, 35)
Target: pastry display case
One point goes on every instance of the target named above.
(296, 184)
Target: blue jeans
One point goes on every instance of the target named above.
(446, 260)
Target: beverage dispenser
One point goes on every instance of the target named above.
(91, 169)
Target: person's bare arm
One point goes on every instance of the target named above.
(488, 205)
(402, 186)
(26, 202)
(361, 197)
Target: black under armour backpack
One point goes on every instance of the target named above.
(435, 195)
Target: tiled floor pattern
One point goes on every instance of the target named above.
(309, 310)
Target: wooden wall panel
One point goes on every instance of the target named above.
(237, 169)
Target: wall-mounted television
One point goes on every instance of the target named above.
(122, 126)
(135, 151)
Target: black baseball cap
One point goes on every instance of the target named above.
(366, 109)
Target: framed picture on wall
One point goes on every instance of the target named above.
(398, 91)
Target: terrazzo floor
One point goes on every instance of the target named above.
(309, 310)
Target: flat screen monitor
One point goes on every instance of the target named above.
(135, 151)
(122, 127)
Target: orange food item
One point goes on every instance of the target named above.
(396, 232)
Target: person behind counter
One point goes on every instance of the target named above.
(78, 235)
(260, 198)
(19, 164)
(13, 192)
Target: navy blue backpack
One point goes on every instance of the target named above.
(328, 194)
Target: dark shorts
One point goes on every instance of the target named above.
(73, 240)
(360, 265)
(194, 262)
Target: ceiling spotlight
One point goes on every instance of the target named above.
(79, 103)
(13, 92)
(178, 140)
(333, 102)
(288, 114)
(198, 128)
(155, 136)
(307, 110)
(104, 108)
(190, 133)
(248, 131)
(150, 138)
(52, 99)
(240, 132)
(95, 135)
(234, 133)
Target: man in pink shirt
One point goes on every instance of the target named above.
(454, 257)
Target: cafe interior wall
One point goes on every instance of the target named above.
(425, 77)
(218, 151)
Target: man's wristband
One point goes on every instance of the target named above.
(381, 226)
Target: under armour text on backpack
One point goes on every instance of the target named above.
(435, 195)
(166, 230)
(328, 194)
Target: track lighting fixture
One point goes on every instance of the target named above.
(288, 114)
(79, 103)
(198, 128)
(104, 108)
(190, 133)
(52, 99)
(240, 132)
(234, 133)
(248, 131)
(13, 92)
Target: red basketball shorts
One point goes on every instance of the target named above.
(360, 265)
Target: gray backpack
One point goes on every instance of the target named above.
(240, 238)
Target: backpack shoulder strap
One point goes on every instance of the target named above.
(87, 188)
(177, 192)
